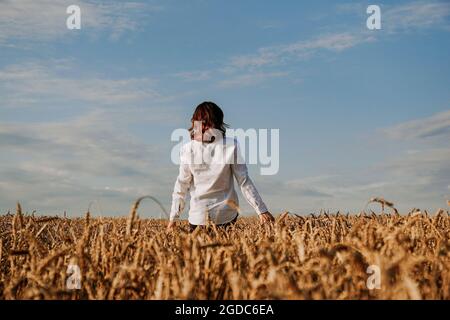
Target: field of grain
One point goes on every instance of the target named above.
(324, 256)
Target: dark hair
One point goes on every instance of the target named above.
(210, 115)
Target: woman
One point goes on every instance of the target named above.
(208, 164)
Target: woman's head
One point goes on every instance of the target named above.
(210, 116)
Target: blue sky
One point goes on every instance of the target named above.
(86, 115)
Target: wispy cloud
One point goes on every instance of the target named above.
(403, 17)
(45, 20)
(57, 165)
(90, 151)
(80, 142)
(249, 70)
(55, 82)
(194, 75)
(416, 15)
(437, 125)
(409, 178)
(395, 18)
(300, 49)
(250, 79)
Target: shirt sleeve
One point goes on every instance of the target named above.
(240, 172)
(182, 185)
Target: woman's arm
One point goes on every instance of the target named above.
(248, 188)
(180, 190)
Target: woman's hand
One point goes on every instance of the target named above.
(171, 226)
(266, 217)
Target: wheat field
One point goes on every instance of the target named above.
(323, 256)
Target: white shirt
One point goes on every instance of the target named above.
(207, 171)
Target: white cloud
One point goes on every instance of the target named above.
(416, 15)
(410, 178)
(194, 75)
(403, 17)
(301, 49)
(55, 83)
(437, 126)
(58, 165)
(248, 70)
(242, 70)
(395, 18)
(45, 20)
(249, 79)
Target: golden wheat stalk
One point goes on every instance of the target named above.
(320, 256)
